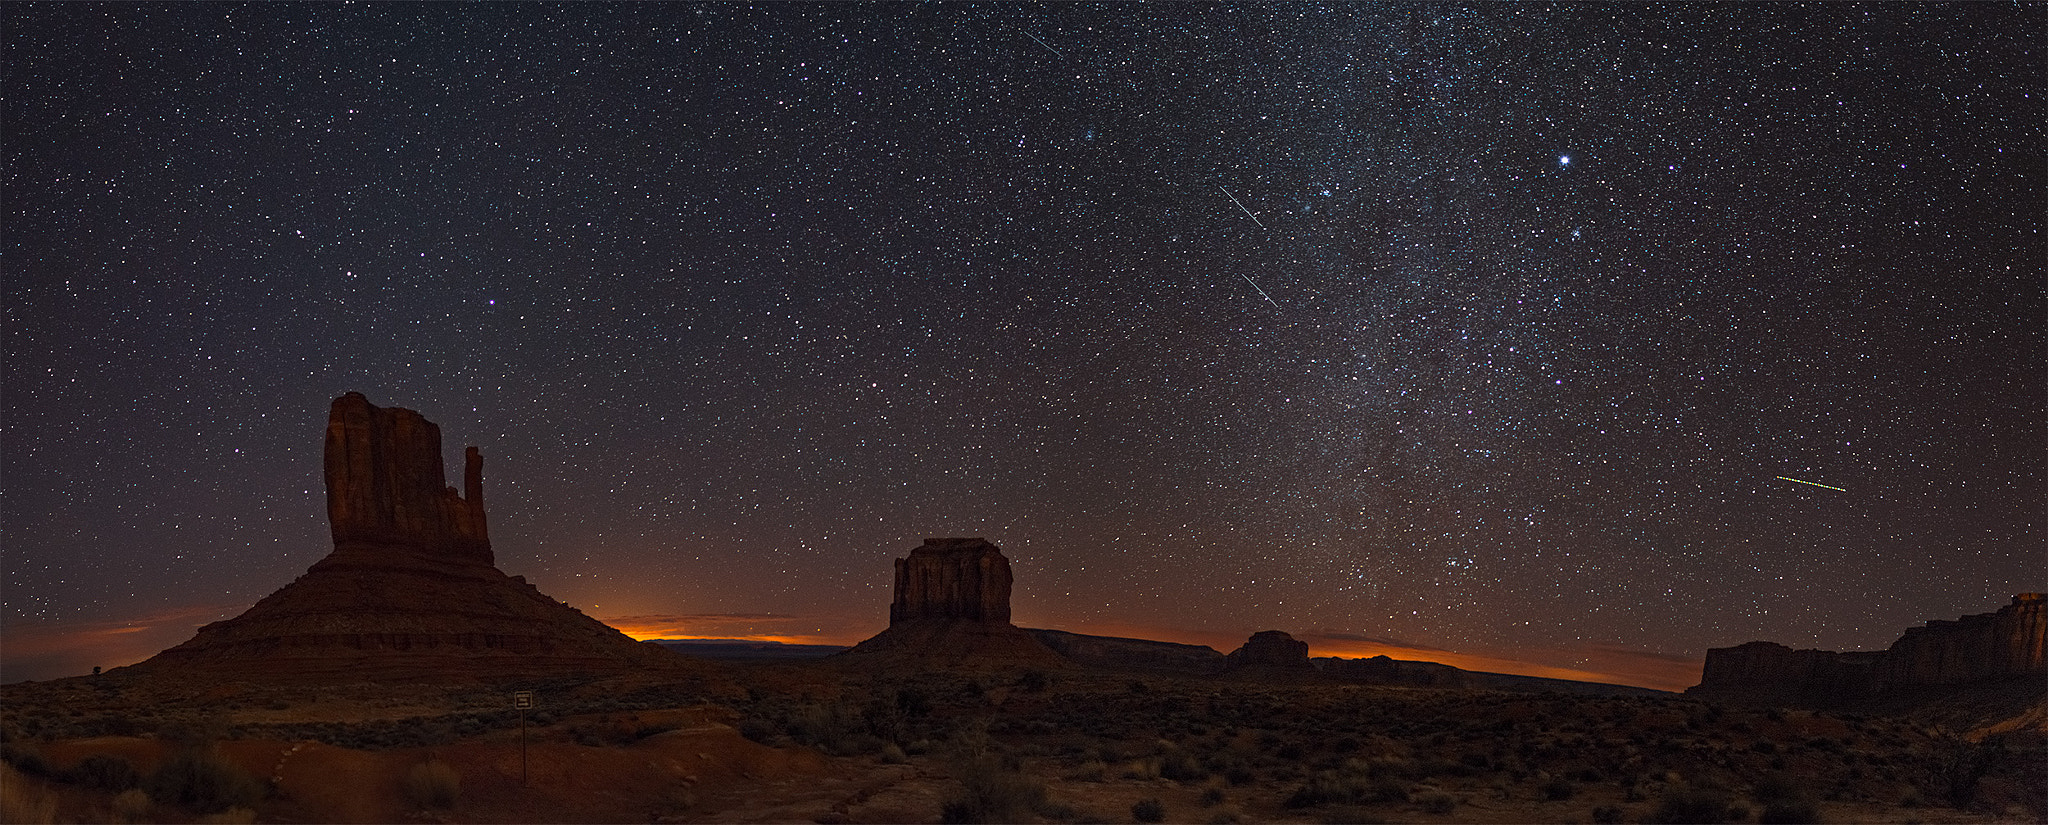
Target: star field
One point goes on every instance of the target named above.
(1491, 329)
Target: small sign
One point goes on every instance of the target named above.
(522, 699)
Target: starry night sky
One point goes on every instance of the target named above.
(1484, 332)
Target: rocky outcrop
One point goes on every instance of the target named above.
(385, 486)
(1971, 650)
(409, 592)
(952, 609)
(1131, 654)
(958, 578)
(1386, 670)
(1270, 649)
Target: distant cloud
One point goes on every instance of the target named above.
(1344, 636)
(52, 650)
(774, 627)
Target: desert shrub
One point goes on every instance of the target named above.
(1694, 804)
(25, 757)
(102, 772)
(1437, 802)
(1559, 789)
(1034, 681)
(132, 805)
(892, 754)
(1607, 815)
(1347, 787)
(1212, 797)
(991, 794)
(198, 778)
(758, 730)
(1093, 770)
(1794, 811)
(17, 804)
(1180, 767)
(433, 784)
(1148, 810)
(231, 816)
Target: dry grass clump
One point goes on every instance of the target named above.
(133, 805)
(18, 804)
(433, 784)
(199, 779)
(989, 793)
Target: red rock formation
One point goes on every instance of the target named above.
(952, 609)
(385, 485)
(952, 579)
(409, 592)
(1270, 648)
(1972, 649)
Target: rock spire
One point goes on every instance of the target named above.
(385, 485)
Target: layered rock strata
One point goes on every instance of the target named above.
(410, 591)
(1270, 649)
(952, 608)
(2004, 645)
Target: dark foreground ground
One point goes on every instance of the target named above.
(813, 743)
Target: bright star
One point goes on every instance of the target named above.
(1564, 160)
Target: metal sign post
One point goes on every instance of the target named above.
(523, 700)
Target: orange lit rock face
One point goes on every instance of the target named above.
(385, 484)
(960, 578)
(1978, 648)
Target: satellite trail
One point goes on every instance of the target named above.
(1262, 293)
(1813, 483)
(1247, 212)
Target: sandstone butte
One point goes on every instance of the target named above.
(1988, 648)
(952, 608)
(410, 591)
(1270, 649)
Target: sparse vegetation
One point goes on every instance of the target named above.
(199, 779)
(1148, 810)
(1700, 804)
(133, 805)
(433, 784)
(993, 794)
(101, 772)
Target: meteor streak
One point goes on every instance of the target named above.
(1247, 213)
(1262, 293)
(1813, 483)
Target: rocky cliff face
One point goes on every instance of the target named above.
(1970, 650)
(385, 486)
(952, 609)
(956, 578)
(1272, 649)
(409, 592)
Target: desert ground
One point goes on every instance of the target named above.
(821, 742)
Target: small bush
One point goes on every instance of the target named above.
(1437, 802)
(25, 757)
(1148, 810)
(101, 772)
(1607, 815)
(201, 780)
(1796, 811)
(433, 784)
(231, 816)
(1559, 789)
(1694, 805)
(991, 794)
(1180, 767)
(1212, 797)
(132, 805)
(18, 805)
